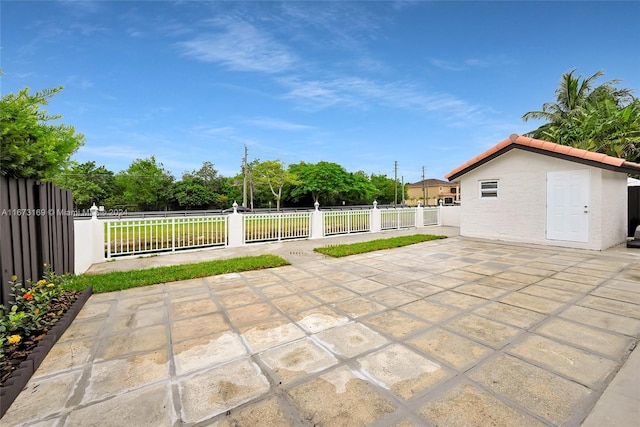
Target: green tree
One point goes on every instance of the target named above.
(192, 193)
(209, 176)
(326, 182)
(146, 184)
(88, 183)
(603, 118)
(361, 189)
(273, 175)
(385, 188)
(31, 147)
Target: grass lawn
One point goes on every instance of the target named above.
(119, 280)
(338, 251)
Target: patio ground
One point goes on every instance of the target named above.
(449, 332)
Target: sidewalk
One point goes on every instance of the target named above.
(449, 332)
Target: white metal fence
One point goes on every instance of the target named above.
(138, 236)
(346, 222)
(398, 218)
(276, 226)
(97, 240)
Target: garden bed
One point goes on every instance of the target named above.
(32, 355)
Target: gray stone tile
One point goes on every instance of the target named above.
(604, 320)
(612, 306)
(482, 291)
(42, 398)
(618, 294)
(121, 375)
(492, 333)
(428, 311)
(149, 406)
(539, 391)
(550, 293)
(268, 412)
(594, 340)
(395, 323)
(135, 341)
(392, 297)
(351, 339)
(530, 302)
(415, 375)
(220, 389)
(505, 313)
(207, 351)
(466, 405)
(339, 398)
(585, 368)
(579, 278)
(358, 306)
(456, 299)
(443, 345)
(297, 359)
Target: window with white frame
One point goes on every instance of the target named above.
(489, 189)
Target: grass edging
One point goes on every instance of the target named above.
(338, 251)
(120, 280)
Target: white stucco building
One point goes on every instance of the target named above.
(532, 191)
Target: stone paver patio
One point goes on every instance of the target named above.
(455, 332)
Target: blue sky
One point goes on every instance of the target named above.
(362, 84)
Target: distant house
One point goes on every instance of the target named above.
(532, 191)
(433, 192)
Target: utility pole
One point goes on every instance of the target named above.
(402, 204)
(395, 179)
(424, 193)
(244, 176)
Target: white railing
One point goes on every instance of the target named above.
(276, 226)
(398, 218)
(430, 216)
(346, 222)
(97, 240)
(139, 236)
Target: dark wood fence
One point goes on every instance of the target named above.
(36, 227)
(633, 206)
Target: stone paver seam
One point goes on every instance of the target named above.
(505, 399)
(173, 377)
(83, 382)
(587, 405)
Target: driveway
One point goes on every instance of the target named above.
(449, 332)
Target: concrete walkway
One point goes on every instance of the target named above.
(449, 332)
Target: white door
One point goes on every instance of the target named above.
(568, 205)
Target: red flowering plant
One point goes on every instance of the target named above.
(37, 306)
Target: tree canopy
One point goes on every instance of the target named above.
(601, 118)
(146, 184)
(88, 183)
(273, 175)
(31, 147)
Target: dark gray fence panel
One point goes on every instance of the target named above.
(36, 227)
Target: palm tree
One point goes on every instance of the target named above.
(602, 118)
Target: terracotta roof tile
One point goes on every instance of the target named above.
(516, 140)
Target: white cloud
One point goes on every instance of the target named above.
(361, 93)
(240, 46)
(270, 123)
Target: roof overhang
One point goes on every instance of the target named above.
(546, 148)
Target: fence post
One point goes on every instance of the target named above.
(376, 218)
(235, 237)
(317, 223)
(419, 216)
(89, 240)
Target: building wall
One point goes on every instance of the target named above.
(519, 212)
(414, 194)
(614, 198)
